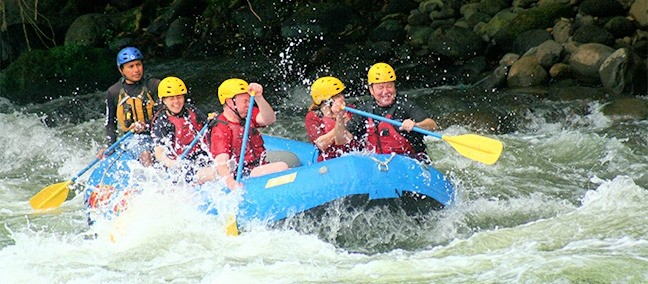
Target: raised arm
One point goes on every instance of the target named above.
(266, 114)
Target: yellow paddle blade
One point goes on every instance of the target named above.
(479, 148)
(51, 196)
(231, 229)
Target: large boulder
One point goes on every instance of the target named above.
(562, 30)
(500, 21)
(592, 33)
(586, 60)
(540, 17)
(89, 30)
(178, 36)
(526, 72)
(548, 53)
(638, 12)
(620, 26)
(623, 72)
(530, 39)
(627, 108)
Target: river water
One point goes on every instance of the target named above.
(566, 203)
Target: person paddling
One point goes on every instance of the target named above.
(326, 120)
(226, 138)
(174, 128)
(383, 137)
(130, 104)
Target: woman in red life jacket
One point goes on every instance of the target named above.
(326, 120)
(175, 127)
(226, 136)
(383, 137)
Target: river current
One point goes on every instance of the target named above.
(566, 203)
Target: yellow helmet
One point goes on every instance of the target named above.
(325, 88)
(230, 88)
(170, 87)
(381, 73)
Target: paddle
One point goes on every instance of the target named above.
(54, 195)
(232, 229)
(248, 117)
(194, 141)
(478, 148)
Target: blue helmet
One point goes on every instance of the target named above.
(128, 54)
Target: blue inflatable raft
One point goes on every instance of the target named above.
(307, 185)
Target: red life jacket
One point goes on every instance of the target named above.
(186, 129)
(334, 151)
(385, 139)
(254, 151)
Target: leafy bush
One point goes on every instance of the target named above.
(39, 75)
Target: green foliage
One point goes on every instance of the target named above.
(39, 75)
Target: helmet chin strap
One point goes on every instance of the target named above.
(235, 110)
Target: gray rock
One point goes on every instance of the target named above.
(586, 60)
(508, 59)
(562, 30)
(601, 8)
(638, 11)
(529, 39)
(536, 18)
(88, 30)
(526, 72)
(179, 33)
(592, 33)
(623, 72)
(619, 27)
(560, 71)
(626, 108)
(498, 22)
(548, 53)
(496, 79)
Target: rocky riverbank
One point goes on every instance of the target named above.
(568, 49)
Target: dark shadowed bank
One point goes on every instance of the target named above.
(481, 63)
